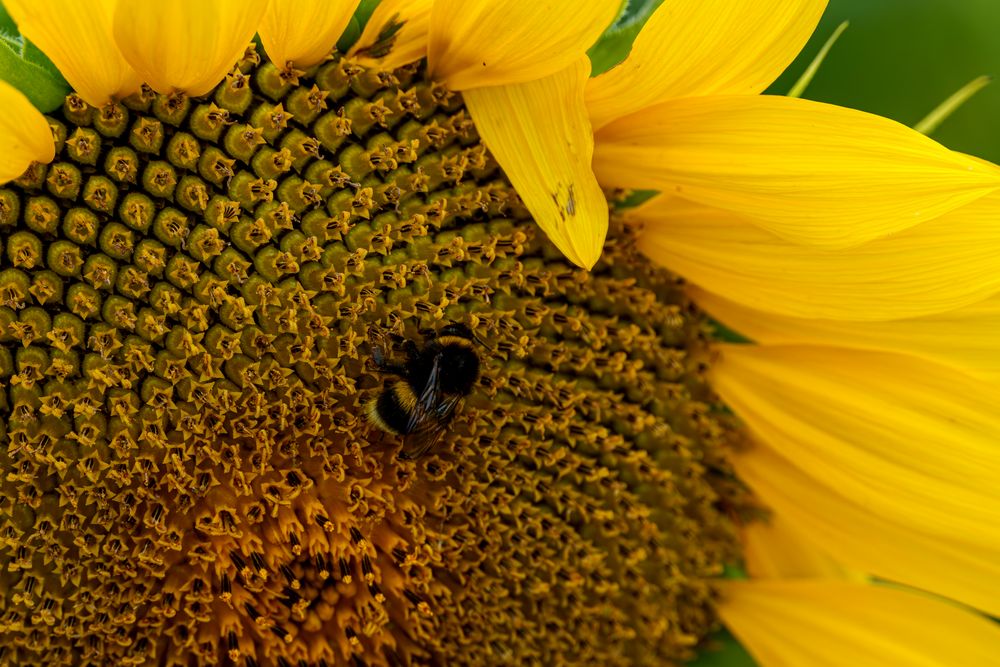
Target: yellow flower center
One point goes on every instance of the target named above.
(190, 476)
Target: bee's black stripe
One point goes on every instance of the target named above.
(393, 407)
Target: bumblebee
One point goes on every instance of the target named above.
(428, 387)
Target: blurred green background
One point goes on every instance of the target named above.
(901, 58)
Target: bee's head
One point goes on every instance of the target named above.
(457, 329)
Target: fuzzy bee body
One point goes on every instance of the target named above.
(392, 409)
(429, 386)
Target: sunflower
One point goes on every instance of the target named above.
(197, 253)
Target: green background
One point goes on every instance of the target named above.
(901, 58)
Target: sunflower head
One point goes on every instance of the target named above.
(191, 287)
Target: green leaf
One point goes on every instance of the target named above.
(614, 45)
(34, 55)
(722, 650)
(7, 24)
(25, 67)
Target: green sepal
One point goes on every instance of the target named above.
(616, 42)
(727, 335)
(351, 34)
(635, 198)
(722, 650)
(357, 24)
(25, 67)
(734, 570)
(364, 11)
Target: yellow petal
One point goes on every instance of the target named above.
(810, 172)
(704, 47)
(185, 45)
(965, 338)
(540, 135)
(486, 43)
(774, 549)
(825, 409)
(77, 37)
(867, 542)
(400, 26)
(887, 462)
(835, 624)
(940, 265)
(303, 32)
(25, 136)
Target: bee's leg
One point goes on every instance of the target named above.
(410, 350)
(380, 364)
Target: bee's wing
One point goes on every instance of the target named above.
(428, 399)
(430, 415)
(429, 431)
